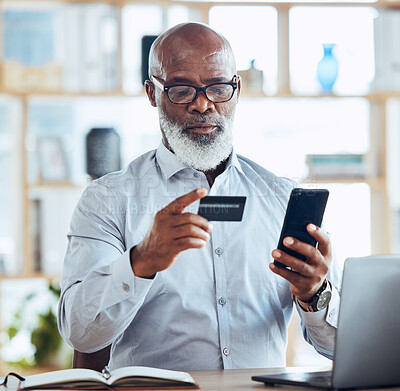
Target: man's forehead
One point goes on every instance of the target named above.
(208, 61)
(218, 61)
(191, 52)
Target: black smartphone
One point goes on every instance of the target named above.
(305, 206)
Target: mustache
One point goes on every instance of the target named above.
(203, 119)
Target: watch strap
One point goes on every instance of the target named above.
(311, 305)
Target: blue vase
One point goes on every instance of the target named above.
(327, 69)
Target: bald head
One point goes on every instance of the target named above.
(187, 44)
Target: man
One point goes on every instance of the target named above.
(164, 286)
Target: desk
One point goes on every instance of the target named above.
(240, 379)
(228, 380)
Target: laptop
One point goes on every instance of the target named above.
(367, 348)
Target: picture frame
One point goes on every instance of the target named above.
(52, 160)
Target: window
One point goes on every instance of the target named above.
(137, 21)
(310, 27)
(279, 133)
(252, 32)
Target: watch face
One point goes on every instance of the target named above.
(323, 300)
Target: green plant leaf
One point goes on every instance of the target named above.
(12, 332)
(46, 337)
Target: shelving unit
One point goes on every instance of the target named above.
(380, 208)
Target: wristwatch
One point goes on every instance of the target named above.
(320, 300)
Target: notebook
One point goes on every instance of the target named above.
(367, 349)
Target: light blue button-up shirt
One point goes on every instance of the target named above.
(216, 307)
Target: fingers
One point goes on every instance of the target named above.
(305, 277)
(178, 205)
(313, 255)
(324, 244)
(171, 232)
(189, 242)
(297, 265)
(289, 275)
(191, 218)
(191, 231)
(302, 287)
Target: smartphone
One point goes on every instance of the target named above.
(305, 206)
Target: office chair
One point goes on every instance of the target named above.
(96, 360)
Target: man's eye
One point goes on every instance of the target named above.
(219, 89)
(181, 91)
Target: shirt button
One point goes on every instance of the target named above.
(226, 351)
(196, 175)
(221, 301)
(125, 287)
(218, 251)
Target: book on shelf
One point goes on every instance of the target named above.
(28, 37)
(336, 165)
(134, 377)
(73, 48)
(51, 207)
(30, 58)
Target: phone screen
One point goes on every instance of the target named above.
(305, 206)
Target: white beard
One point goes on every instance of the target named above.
(202, 152)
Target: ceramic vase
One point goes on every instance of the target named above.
(327, 69)
(103, 153)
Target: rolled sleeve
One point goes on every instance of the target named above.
(320, 326)
(108, 302)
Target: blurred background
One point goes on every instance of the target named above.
(320, 104)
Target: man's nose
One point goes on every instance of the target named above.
(201, 104)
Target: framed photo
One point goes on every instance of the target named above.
(53, 165)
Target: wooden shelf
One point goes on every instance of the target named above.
(25, 276)
(55, 185)
(66, 94)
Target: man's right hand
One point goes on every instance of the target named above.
(171, 233)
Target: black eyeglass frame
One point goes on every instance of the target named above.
(164, 88)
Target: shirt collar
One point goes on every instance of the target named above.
(170, 164)
(233, 161)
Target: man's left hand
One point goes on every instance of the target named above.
(305, 277)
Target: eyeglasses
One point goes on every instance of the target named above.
(181, 94)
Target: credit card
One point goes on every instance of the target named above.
(222, 208)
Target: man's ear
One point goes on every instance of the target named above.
(239, 87)
(151, 92)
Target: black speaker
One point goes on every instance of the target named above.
(103, 152)
(147, 41)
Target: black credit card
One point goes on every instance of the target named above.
(222, 208)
